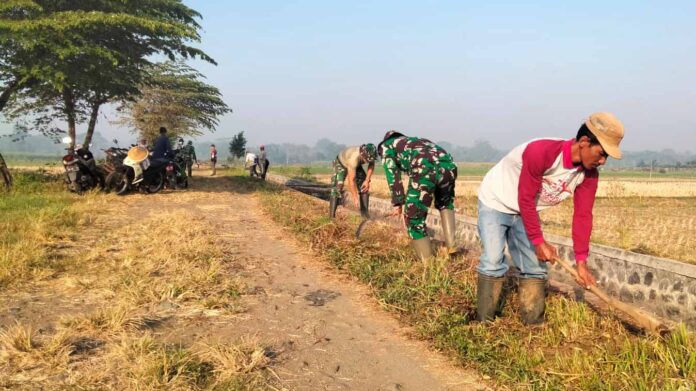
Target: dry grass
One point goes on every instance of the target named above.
(133, 276)
(575, 349)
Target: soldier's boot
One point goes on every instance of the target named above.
(449, 228)
(365, 205)
(424, 252)
(488, 296)
(333, 205)
(532, 294)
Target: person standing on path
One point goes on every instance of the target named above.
(213, 158)
(189, 154)
(432, 175)
(263, 162)
(532, 177)
(348, 166)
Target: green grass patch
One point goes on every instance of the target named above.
(575, 349)
(35, 214)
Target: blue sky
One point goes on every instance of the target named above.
(453, 70)
(297, 71)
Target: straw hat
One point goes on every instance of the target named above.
(138, 154)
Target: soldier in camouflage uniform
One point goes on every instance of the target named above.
(432, 175)
(189, 154)
(348, 165)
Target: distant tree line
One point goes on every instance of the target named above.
(326, 150)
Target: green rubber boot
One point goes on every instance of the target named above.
(488, 296)
(423, 249)
(449, 227)
(532, 294)
(333, 205)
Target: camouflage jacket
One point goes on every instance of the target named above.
(189, 153)
(413, 156)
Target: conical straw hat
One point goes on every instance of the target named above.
(138, 154)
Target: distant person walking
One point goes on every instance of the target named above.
(263, 162)
(532, 177)
(213, 158)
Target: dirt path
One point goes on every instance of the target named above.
(335, 337)
(327, 332)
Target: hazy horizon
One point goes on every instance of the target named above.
(459, 71)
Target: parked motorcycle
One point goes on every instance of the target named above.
(114, 157)
(137, 172)
(81, 171)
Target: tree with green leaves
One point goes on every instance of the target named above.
(176, 97)
(238, 145)
(63, 60)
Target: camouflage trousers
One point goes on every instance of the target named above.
(339, 177)
(424, 187)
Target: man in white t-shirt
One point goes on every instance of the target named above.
(251, 163)
(534, 176)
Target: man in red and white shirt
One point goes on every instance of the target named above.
(532, 177)
(213, 158)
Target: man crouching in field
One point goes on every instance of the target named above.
(532, 177)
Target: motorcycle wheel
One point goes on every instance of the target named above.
(118, 182)
(156, 184)
(109, 182)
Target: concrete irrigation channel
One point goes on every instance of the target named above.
(660, 286)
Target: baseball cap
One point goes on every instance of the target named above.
(608, 130)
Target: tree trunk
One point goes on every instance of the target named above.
(5, 172)
(11, 88)
(92, 123)
(69, 101)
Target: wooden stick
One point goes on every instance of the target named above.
(643, 319)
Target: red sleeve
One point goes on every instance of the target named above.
(583, 202)
(538, 157)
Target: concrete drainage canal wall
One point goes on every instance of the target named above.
(664, 287)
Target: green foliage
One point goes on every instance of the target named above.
(176, 97)
(238, 145)
(64, 59)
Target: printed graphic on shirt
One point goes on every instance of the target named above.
(556, 190)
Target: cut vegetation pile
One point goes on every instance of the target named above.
(575, 349)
